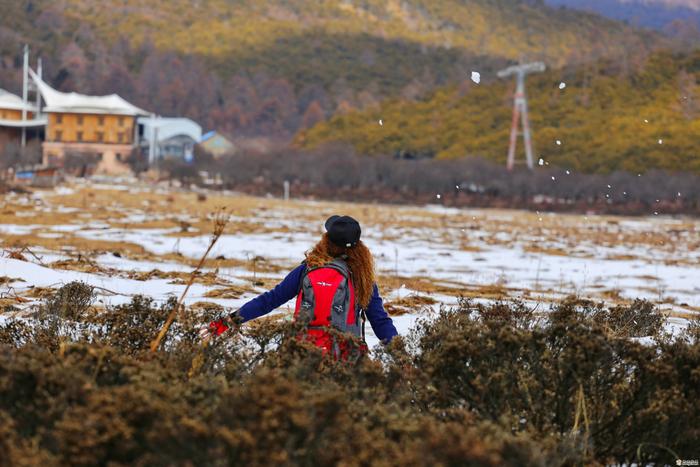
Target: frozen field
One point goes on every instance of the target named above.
(128, 240)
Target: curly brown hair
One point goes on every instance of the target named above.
(359, 260)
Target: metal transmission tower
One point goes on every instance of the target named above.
(520, 110)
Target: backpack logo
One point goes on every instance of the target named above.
(324, 284)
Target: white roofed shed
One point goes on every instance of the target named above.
(164, 128)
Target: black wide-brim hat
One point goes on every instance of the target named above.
(343, 231)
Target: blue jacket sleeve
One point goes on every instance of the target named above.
(382, 325)
(281, 294)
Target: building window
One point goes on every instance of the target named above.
(59, 118)
(80, 119)
(79, 136)
(101, 120)
(120, 137)
(58, 136)
(100, 136)
(121, 121)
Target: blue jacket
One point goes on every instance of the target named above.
(261, 305)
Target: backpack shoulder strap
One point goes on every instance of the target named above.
(340, 265)
(303, 275)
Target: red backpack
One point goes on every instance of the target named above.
(327, 299)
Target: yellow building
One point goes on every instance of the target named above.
(100, 126)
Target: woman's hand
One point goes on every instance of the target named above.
(220, 326)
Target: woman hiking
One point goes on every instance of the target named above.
(335, 287)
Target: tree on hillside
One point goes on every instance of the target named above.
(313, 115)
(688, 95)
(73, 68)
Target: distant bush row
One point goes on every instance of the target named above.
(337, 172)
(474, 385)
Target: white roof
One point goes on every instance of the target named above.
(33, 123)
(169, 128)
(13, 102)
(72, 102)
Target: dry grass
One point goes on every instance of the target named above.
(9, 280)
(472, 248)
(8, 302)
(621, 257)
(178, 277)
(693, 313)
(29, 215)
(648, 277)
(613, 294)
(419, 284)
(408, 304)
(203, 306)
(70, 243)
(231, 291)
(546, 251)
(263, 282)
(81, 265)
(492, 292)
(153, 201)
(220, 219)
(187, 214)
(39, 292)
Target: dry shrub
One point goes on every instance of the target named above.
(70, 301)
(692, 332)
(131, 327)
(476, 385)
(639, 319)
(532, 376)
(60, 318)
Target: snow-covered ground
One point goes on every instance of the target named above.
(535, 257)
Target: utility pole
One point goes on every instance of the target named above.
(25, 93)
(520, 110)
(39, 72)
(152, 141)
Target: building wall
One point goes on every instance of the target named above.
(218, 146)
(8, 135)
(112, 157)
(90, 128)
(13, 114)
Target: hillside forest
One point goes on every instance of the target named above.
(598, 118)
(315, 72)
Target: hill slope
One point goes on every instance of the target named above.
(272, 67)
(604, 119)
(658, 14)
(220, 28)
